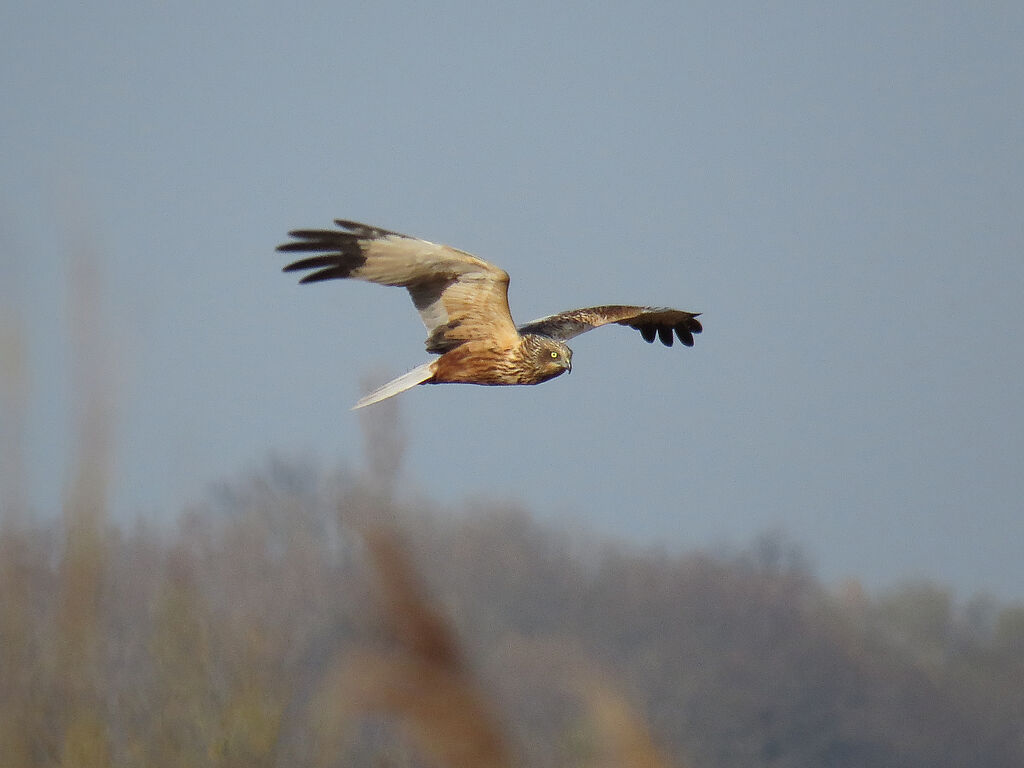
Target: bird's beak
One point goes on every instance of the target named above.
(568, 365)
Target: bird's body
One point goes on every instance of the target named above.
(463, 302)
(528, 361)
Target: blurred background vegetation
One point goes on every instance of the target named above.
(263, 628)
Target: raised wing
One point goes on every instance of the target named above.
(459, 297)
(652, 322)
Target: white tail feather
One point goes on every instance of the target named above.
(417, 375)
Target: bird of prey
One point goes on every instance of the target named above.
(463, 302)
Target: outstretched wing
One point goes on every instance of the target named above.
(459, 297)
(650, 321)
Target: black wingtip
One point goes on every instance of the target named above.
(313, 262)
(340, 253)
(686, 330)
(332, 273)
(365, 231)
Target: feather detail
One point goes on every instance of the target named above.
(418, 375)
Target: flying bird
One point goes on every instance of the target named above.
(463, 302)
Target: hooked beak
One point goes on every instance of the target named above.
(568, 365)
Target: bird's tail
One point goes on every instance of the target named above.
(417, 375)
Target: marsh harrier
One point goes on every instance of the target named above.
(463, 301)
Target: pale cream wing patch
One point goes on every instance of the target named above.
(466, 300)
(459, 296)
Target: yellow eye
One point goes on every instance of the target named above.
(554, 355)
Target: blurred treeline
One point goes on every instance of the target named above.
(267, 627)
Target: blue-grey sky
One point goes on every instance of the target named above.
(837, 187)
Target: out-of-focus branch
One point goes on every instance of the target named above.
(84, 740)
(424, 680)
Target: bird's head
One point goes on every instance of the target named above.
(551, 356)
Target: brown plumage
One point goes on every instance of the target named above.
(463, 302)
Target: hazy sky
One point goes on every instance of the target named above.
(838, 189)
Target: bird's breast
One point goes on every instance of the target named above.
(478, 362)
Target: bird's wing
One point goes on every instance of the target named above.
(459, 297)
(652, 322)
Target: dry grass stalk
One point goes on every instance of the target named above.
(84, 736)
(621, 737)
(424, 681)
